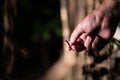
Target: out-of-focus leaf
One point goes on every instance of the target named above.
(46, 35)
(116, 43)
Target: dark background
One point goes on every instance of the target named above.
(37, 32)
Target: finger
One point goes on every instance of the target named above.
(88, 42)
(95, 42)
(83, 36)
(73, 48)
(79, 40)
(76, 33)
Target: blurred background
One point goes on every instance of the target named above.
(32, 30)
(32, 35)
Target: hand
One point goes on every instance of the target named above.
(96, 29)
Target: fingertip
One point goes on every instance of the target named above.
(74, 48)
(72, 40)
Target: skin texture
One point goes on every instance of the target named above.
(97, 28)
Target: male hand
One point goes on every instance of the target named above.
(97, 28)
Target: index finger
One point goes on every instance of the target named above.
(76, 33)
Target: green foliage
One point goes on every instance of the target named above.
(116, 43)
(44, 30)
